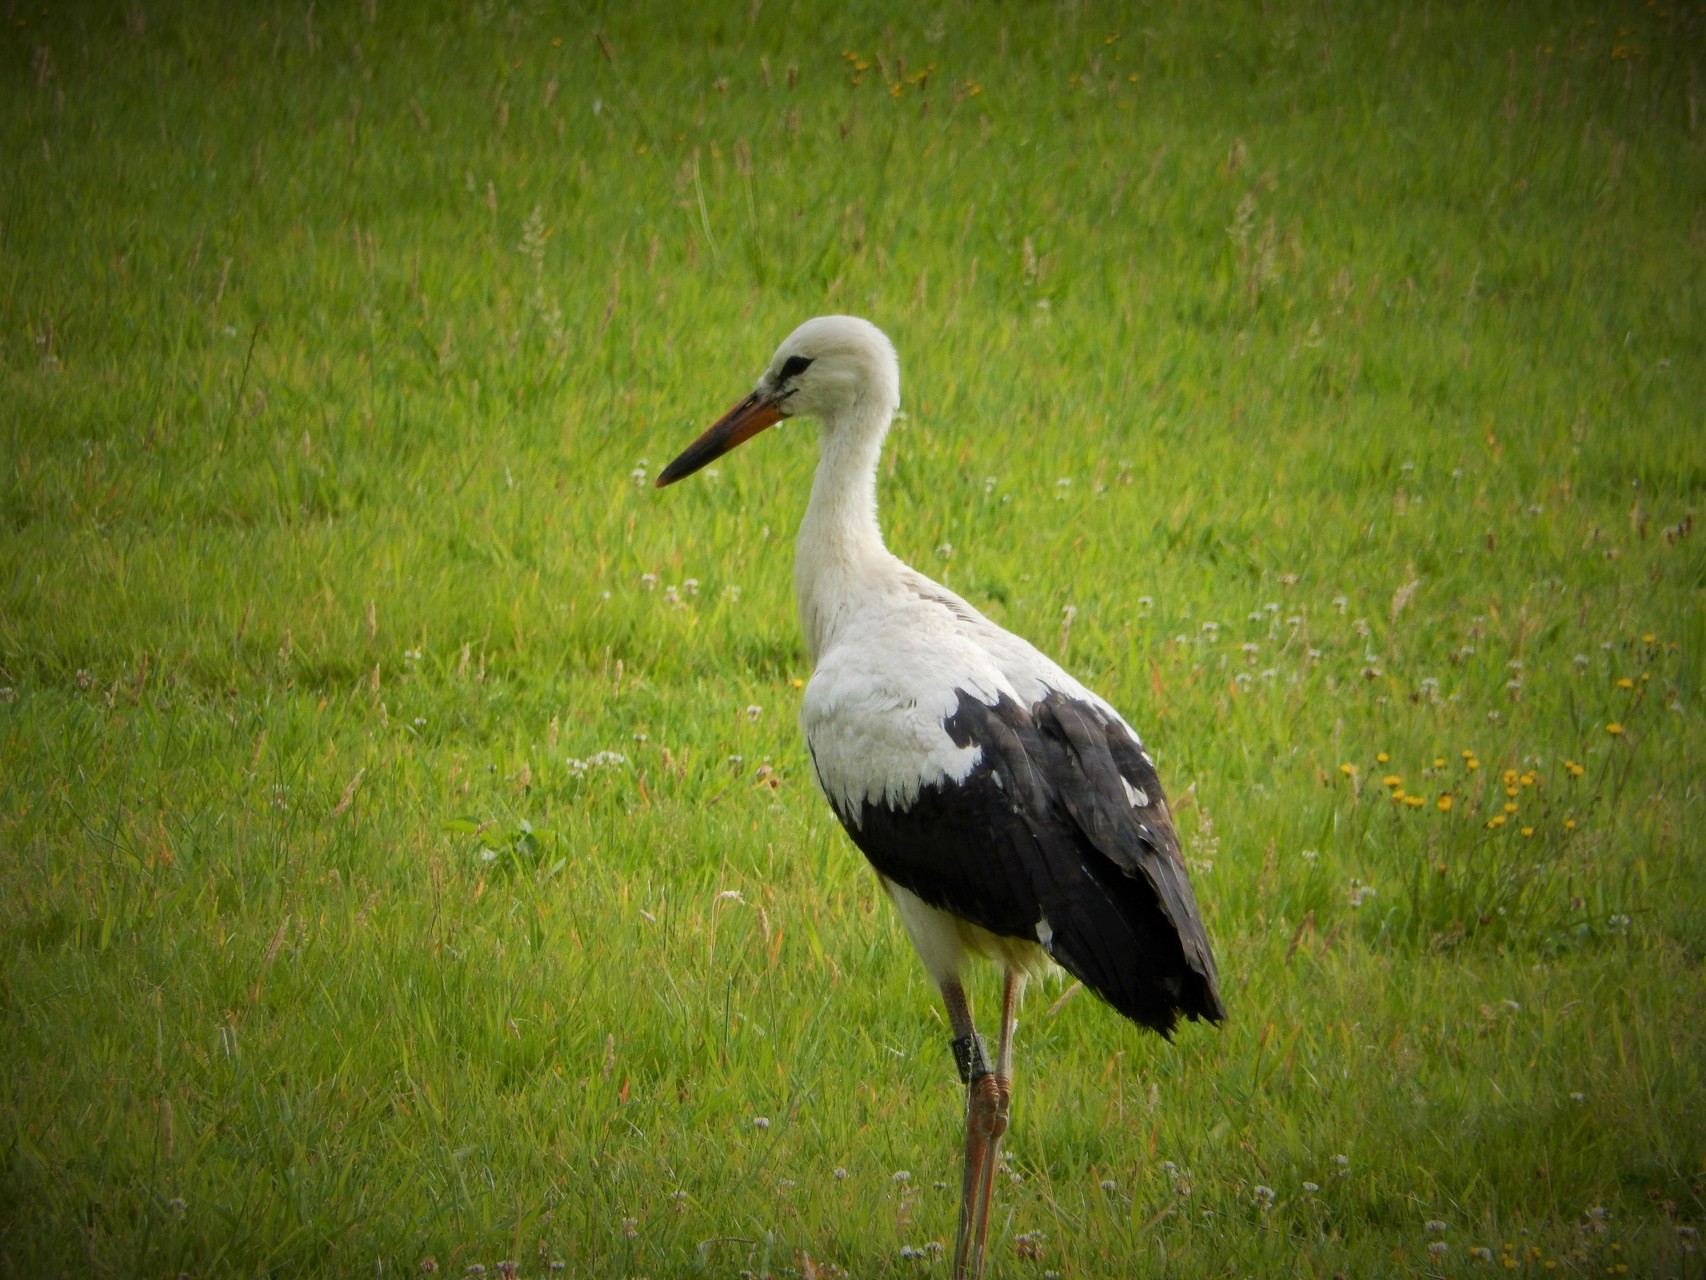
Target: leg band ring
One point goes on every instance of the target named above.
(972, 1058)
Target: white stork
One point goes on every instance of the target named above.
(1008, 811)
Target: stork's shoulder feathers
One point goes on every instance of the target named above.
(875, 710)
(895, 665)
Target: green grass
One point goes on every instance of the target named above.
(337, 343)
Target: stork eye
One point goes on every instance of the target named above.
(794, 366)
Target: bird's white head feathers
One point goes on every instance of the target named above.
(832, 364)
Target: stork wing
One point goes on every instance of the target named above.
(1059, 832)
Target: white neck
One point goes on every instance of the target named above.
(840, 549)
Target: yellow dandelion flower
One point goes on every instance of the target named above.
(1382, 758)
(1445, 804)
(1624, 682)
(1509, 776)
(1527, 831)
(799, 683)
(1415, 802)
(1614, 728)
(1569, 824)
(1472, 763)
(1510, 790)
(1348, 769)
(1527, 779)
(1468, 755)
(1510, 806)
(1497, 820)
(1649, 638)
(1397, 795)
(1391, 780)
(1439, 762)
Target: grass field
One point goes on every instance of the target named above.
(407, 852)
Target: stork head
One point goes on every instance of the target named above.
(827, 368)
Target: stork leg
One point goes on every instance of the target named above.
(989, 1091)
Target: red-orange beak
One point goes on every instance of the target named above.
(735, 427)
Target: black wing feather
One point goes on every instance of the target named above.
(1043, 828)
